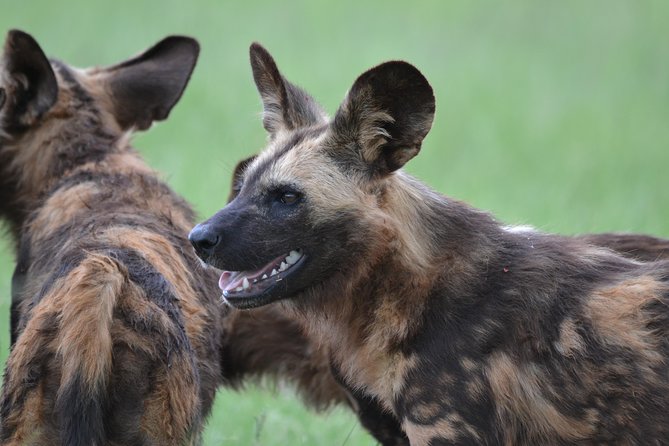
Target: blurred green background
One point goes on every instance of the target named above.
(554, 114)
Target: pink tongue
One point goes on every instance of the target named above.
(231, 280)
(226, 280)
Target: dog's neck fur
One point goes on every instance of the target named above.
(369, 314)
(72, 135)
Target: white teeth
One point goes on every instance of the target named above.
(293, 257)
(264, 276)
(245, 284)
(283, 266)
(274, 273)
(239, 288)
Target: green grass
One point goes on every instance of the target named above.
(554, 114)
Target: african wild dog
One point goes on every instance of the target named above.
(466, 331)
(378, 421)
(117, 330)
(312, 361)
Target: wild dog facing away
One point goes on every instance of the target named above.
(117, 332)
(466, 331)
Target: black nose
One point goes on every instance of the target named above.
(203, 239)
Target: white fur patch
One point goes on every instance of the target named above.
(519, 229)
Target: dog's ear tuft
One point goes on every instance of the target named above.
(238, 177)
(145, 88)
(34, 86)
(286, 106)
(386, 115)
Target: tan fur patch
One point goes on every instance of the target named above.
(96, 83)
(520, 394)
(87, 299)
(468, 364)
(570, 343)
(422, 435)
(167, 261)
(475, 388)
(62, 207)
(618, 315)
(168, 410)
(405, 205)
(125, 162)
(425, 411)
(32, 339)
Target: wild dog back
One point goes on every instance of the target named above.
(117, 330)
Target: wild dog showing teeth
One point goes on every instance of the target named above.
(373, 416)
(465, 330)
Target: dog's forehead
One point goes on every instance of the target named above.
(68, 75)
(291, 156)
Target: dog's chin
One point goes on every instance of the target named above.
(272, 282)
(247, 302)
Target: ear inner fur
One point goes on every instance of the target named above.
(286, 106)
(35, 86)
(387, 113)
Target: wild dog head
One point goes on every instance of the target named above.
(54, 117)
(312, 204)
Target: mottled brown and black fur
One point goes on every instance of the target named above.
(311, 361)
(117, 330)
(467, 331)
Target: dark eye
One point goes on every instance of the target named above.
(289, 197)
(2, 97)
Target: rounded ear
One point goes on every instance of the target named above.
(34, 88)
(145, 88)
(286, 106)
(387, 114)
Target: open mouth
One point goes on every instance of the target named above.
(242, 289)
